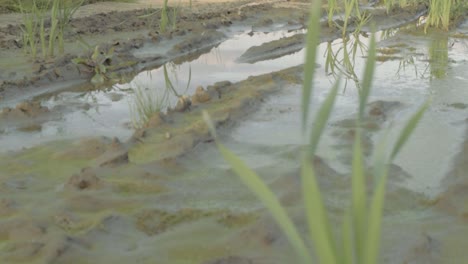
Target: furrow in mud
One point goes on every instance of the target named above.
(289, 45)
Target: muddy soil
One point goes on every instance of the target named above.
(164, 194)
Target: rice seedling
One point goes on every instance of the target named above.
(351, 7)
(174, 17)
(30, 26)
(54, 21)
(146, 103)
(389, 4)
(439, 13)
(66, 12)
(34, 17)
(331, 10)
(348, 9)
(360, 238)
(164, 18)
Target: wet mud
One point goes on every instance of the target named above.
(164, 194)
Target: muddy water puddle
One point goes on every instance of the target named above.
(193, 209)
(85, 111)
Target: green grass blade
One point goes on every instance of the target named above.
(261, 190)
(380, 170)
(347, 256)
(359, 195)
(408, 130)
(322, 118)
(372, 247)
(367, 78)
(168, 82)
(316, 214)
(311, 54)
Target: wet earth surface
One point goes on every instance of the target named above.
(85, 179)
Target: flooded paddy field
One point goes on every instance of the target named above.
(87, 176)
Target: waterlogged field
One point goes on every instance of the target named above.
(105, 156)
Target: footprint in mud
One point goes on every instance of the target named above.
(85, 180)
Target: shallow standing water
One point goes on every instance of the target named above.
(130, 208)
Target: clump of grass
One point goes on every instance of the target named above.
(150, 101)
(146, 103)
(440, 13)
(351, 11)
(166, 18)
(34, 20)
(360, 231)
(331, 10)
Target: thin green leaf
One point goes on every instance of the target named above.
(168, 82)
(380, 168)
(408, 130)
(367, 78)
(347, 250)
(322, 118)
(313, 35)
(372, 246)
(316, 214)
(359, 195)
(261, 190)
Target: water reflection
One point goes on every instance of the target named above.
(341, 57)
(438, 56)
(112, 110)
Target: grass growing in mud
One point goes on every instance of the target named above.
(441, 13)
(149, 102)
(360, 231)
(12, 5)
(57, 13)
